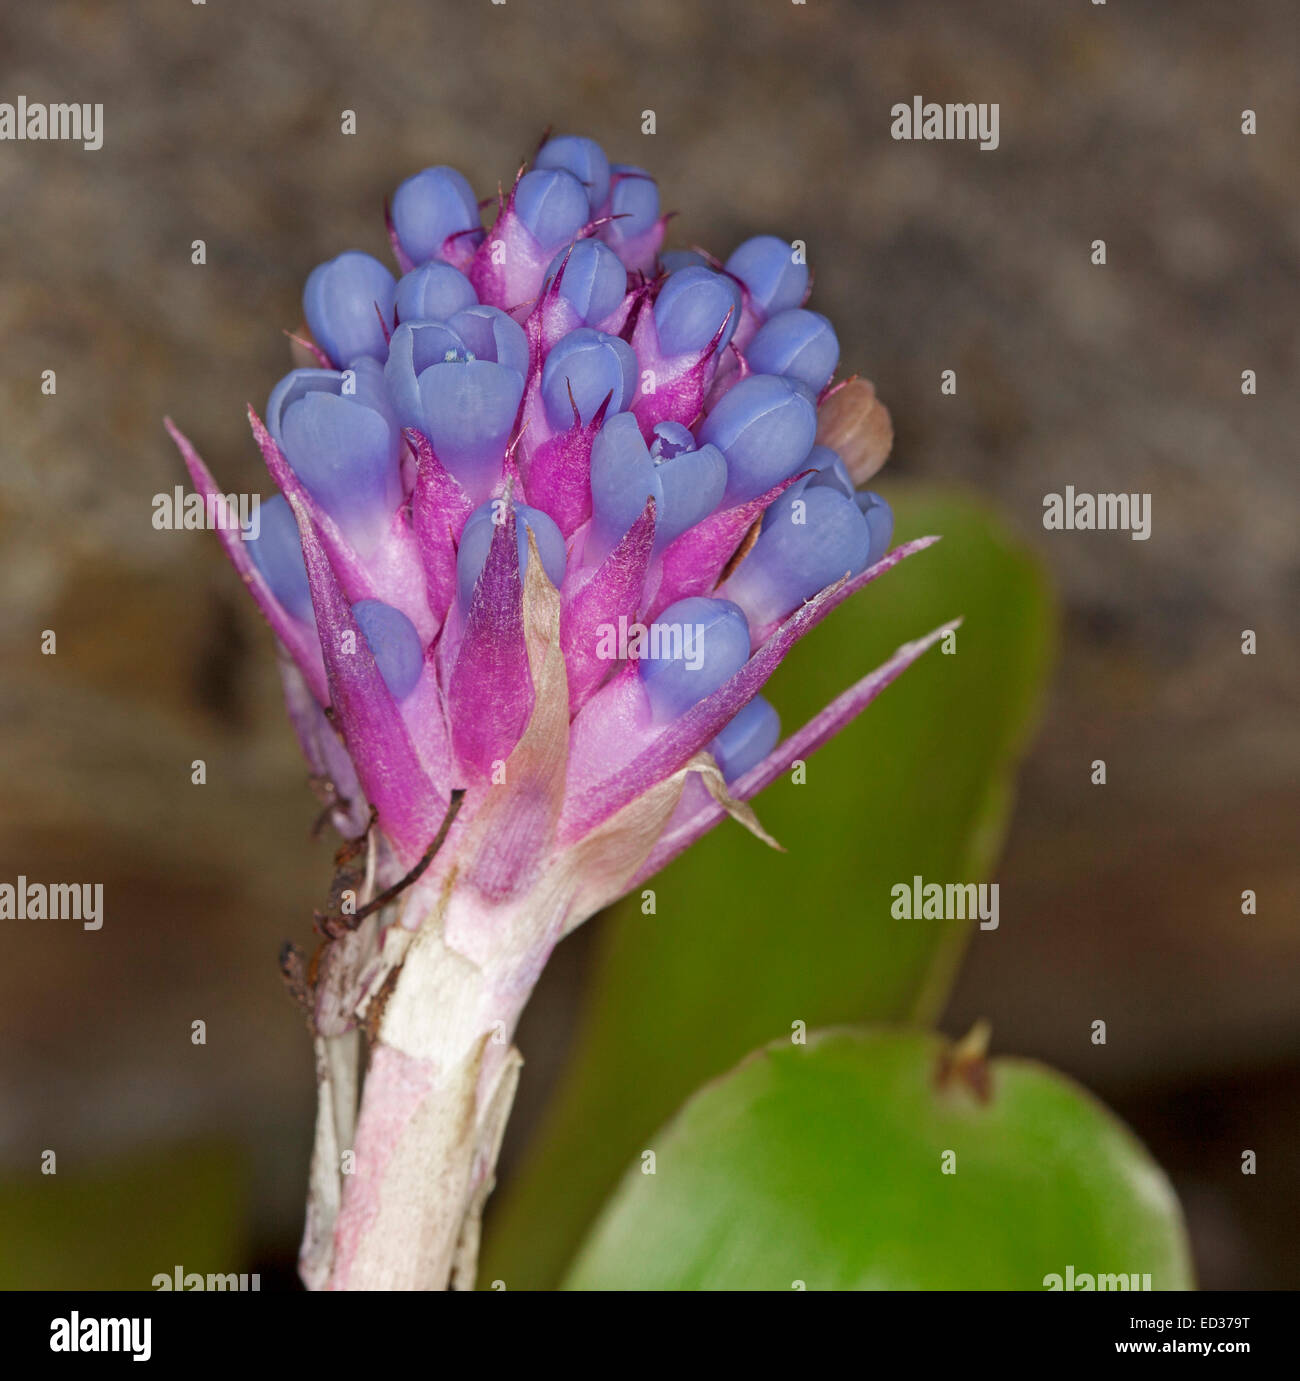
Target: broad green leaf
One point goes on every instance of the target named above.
(115, 1225)
(865, 1161)
(746, 941)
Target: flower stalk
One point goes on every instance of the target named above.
(541, 434)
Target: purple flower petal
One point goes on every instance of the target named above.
(377, 739)
(801, 744)
(323, 750)
(693, 563)
(353, 574)
(490, 694)
(692, 731)
(476, 539)
(615, 590)
(298, 638)
(439, 508)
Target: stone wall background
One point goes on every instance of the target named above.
(1119, 122)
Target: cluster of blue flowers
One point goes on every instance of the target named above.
(563, 357)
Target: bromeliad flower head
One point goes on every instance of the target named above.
(551, 511)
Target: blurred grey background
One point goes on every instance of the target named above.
(1118, 122)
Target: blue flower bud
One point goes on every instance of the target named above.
(634, 199)
(394, 642)
(491, 334)
(553, 205)
(691, 305)
(798, 344)
(591, 365)
(685, 482)
(343, 445)
(459, 382)
(747, 739)
(584, 158)
(339, 302)
(692, 479)
(476, 538)
(830, 471)
(467, 409)
(808, 541)
(431, 206)
(594, 282)
(277, 553)
(693, 647)
(294, 386)
(671, 439)
(765, 428)
(675, 260)
(415, 347)
(622, 478)
(433, 292)
(766, 266)
(363, 381)
(880, 523)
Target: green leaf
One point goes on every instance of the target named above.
(746, 941)
(822, 1167)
